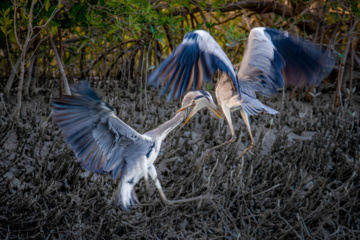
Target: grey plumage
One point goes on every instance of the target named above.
(103, 143)
(270, 56)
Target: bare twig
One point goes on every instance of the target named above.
(343, 60)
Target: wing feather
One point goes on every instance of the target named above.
(187, 86)
(271, 54)
(98, 138)
(198, 56)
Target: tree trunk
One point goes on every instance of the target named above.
(35, 43)
(20, 87)
(140, 65)
(12, 77)
(150, 50)
(156, 49)
(36, 75)
(341, 74)
(24, 49)
(169, 37)
(351, 71)
(6, 63)
(82, 62)
(60, 66)
(60, 51)
(29, 75)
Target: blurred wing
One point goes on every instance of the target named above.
(193, 62)
(99, 139)
(306, 63)
(271, 53)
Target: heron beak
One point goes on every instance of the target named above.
(214, 108)
(218, 112)
(190, 105)
(200, 104)
(192, 113)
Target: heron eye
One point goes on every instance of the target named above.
(193, 102)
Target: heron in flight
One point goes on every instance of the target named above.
(103, 143)
(270, 57)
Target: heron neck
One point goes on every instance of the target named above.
(164, 129)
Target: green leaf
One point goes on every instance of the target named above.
(51, 10)
(67, 60)
(3, 29)
(6, 12)
(47, 4)
(112, 30)
(208, 87)
(54, 23)
(12, 37)
(74, 10)
(81, 14)
(54, 30)
(102, 3)
(160, 37)
(152, 29)
(83, 43)
(23, 13)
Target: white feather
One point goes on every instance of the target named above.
(208, 44)
(126, 189)
(258, 45)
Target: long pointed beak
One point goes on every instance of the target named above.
(182, 109)
(192, 113)
(218, 112)
(215, 109)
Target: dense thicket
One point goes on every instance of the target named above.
(123, 40)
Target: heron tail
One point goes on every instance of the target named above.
(269, 110)
(253, 107)
(125, 195)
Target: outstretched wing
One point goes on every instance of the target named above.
(193, 62)
(271, 54)
(99, 139)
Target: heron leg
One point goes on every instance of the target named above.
(245, 116)
(227, 114)
(153, 175)
(145, 171)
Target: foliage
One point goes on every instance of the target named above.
(107, 38)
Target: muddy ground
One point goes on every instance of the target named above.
(300, 182)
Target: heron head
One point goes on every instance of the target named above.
(198, 100)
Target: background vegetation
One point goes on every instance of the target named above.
(43, 40)
(302, 181)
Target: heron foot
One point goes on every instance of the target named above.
(168, 202)
(246, 149)
(233, 139)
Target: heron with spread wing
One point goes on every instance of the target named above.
(103, 143)
(270, 56)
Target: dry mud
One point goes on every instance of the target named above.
(300, 182)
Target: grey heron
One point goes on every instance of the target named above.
(270, 56)
(103, 143)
